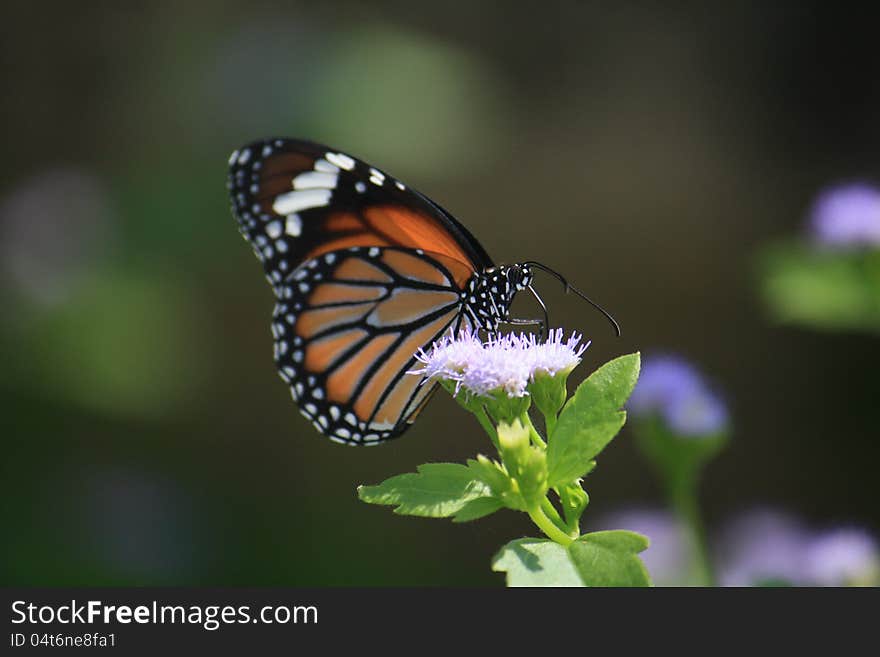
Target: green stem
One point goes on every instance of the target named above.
(486, 423)
(526, 419)
(683, 497)
(550, 424)
(551, 512)
(551, 530)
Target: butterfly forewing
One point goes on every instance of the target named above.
(295, 200)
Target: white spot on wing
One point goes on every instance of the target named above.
(315, 180)
(273, 229)
(360, 186)
(294, 225)
(341, 160)
(296, 201)
(325, 167)
(244, 156)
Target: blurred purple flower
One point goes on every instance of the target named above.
(670, 555)
(506, 363)
(770, 547)
(762, 546)
(839, 557)
(847, 216)
(674, 389)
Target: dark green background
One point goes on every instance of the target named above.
(646, 152)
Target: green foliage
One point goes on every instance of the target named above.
(590, 419)
(828, 290)
(608, 558)
(527, 469)
(437, 490)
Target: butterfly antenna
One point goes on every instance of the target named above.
(571, 288)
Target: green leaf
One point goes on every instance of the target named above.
(608, 558)
(536, 562)
(590, 419)
(490, 472)
(478, 508)
(437, 490)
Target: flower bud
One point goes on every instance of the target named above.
(513, 439)
(532, 475)
(527, 465)
(548, 391)
(506, 409)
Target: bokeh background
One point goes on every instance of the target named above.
(646, 152)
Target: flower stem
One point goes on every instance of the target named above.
(551, 512)
(533, 432)
(546, 525)
(487, 425)
(683, 497)
(550, 424)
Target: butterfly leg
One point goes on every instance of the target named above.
(539, 323)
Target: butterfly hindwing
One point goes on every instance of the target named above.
(347, 326)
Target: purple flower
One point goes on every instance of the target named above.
(670, 555)
(762, 546)
(506, 363)
(770, 547)
(672, 388)
(847, 216)
(553, 356)
(839, 557)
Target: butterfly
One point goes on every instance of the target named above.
(366, 272)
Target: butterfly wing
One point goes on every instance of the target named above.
(346, 329)
(366, 272)
(295, 200)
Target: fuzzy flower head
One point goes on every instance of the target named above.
(672, 388)
(847, 216)
(505, 364)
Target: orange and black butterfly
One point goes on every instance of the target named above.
(366, 272)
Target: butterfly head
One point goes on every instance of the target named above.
(491, 293)
(519, 276)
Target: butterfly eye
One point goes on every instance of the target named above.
(515, 277)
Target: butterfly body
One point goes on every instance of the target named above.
(366, 272)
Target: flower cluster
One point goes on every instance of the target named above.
(505, 363)
(759, 547)
(766, 546)
(672, 388)
(847, 216)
